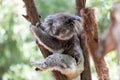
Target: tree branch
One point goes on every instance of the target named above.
(32, 14)
(33, 17)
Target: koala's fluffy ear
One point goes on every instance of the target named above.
(78, 27)
(77, 24)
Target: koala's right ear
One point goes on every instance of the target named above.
(78, 27)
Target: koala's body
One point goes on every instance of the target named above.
(59, 34)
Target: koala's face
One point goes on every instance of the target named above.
(61, 25)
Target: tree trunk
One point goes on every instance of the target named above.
(91, 33)
(80, 4)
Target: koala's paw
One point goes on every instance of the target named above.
(39, 66)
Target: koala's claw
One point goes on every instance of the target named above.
(37, 69)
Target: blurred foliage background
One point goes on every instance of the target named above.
(17, 45)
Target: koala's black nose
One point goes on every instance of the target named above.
(76, 18)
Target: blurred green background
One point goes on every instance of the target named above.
(18, 47)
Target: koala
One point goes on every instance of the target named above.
(59, 34)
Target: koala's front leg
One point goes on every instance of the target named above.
(60, 62)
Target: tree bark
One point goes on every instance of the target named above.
(80, 4)
(33, 17)
(91, 33)
(86, 74)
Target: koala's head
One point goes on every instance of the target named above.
(62, 26)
